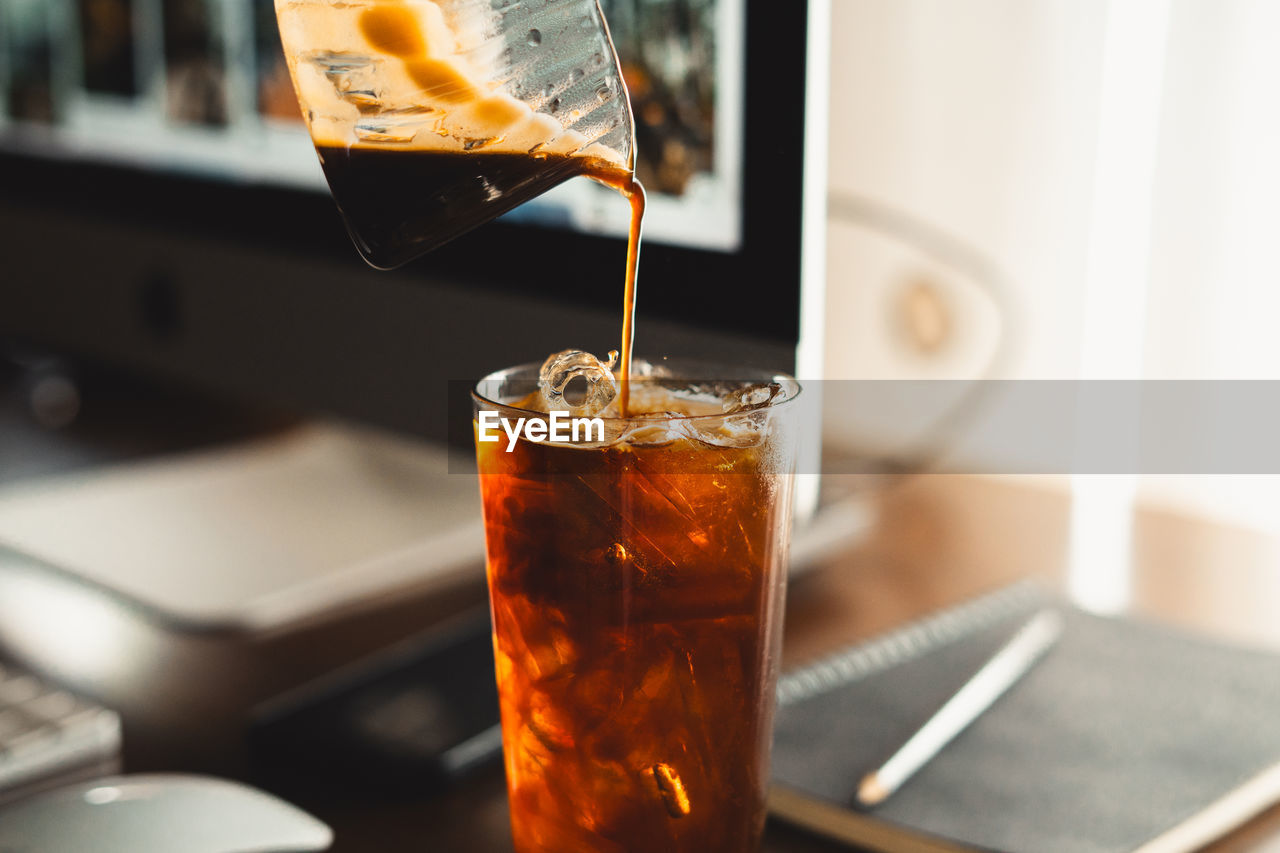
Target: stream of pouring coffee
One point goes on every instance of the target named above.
(625, 182)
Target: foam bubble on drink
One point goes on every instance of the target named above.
(416, 75)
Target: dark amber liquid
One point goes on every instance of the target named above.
(399, 204)
(636, 614)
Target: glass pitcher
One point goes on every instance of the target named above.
(431, 118)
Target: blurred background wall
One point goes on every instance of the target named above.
(1107, 167)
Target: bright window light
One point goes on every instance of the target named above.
(1117, 280)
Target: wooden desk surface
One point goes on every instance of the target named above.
(940, 539)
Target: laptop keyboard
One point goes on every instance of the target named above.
(46, 731)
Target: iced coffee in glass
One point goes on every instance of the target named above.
(636, 577)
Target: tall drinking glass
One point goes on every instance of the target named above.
(636, 579)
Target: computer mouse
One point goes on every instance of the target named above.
(163, 813)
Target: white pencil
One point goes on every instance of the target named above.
(997, 675)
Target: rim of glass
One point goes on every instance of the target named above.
(747, 375)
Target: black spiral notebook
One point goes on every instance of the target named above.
(1127, 736)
